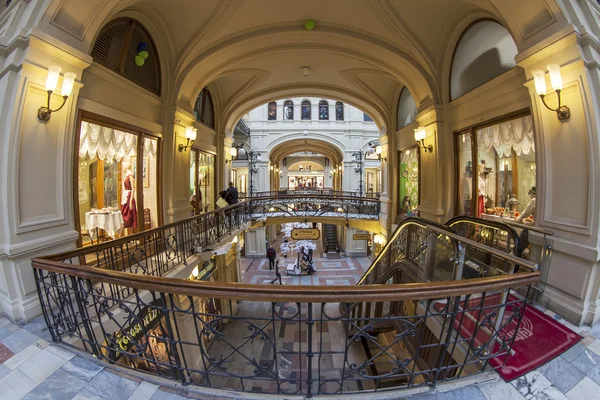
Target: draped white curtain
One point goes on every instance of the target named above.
(110, 144)
(516, 134)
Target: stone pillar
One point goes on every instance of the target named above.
(433, 166)
(227, 145)
(568, 166)
(385, 215)
(255, 243)
(36, 213)
(355, 248)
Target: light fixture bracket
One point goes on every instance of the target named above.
(187, 146)
(421, 144)
(44, 112)
(562, 112)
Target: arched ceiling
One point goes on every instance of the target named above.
(251, 51)
(279, 152)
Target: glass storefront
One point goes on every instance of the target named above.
(117, 189)
(202, 181)
(498, 176)
(305, 182)
(408, 195)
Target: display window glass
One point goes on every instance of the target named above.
(117, 184)
(504, 172)
(464, 144)
(202, 178)
(409, 181)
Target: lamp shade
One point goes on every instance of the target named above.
(190, 132)
(370, 151)
(539, 79)
(420, 134)
(52, 79)
(233, 152)
(242, 152)
(68, 81)
(378, 149)
(555, 77)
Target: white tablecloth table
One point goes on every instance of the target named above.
(111, 222)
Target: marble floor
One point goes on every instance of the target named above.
(32, 367)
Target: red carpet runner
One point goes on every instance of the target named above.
(540, 338)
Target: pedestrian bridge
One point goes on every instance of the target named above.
(314, 203)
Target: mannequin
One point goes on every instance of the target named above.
(128, 206)
(481, 189)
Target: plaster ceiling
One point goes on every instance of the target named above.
(252, 51)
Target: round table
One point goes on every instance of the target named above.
(110, 222)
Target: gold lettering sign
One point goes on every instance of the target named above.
(306, 234)
(124, 338)
(360, 236)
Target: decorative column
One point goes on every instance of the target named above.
(385, 215)
(355, 247)
(36, 213)
(568, 167)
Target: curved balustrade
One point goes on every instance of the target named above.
(336, 204)
(112, 301)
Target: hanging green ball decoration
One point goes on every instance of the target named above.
(139, 61)
(309, 25)
(143, 54)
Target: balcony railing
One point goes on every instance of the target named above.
(313, 204)
(112, 301)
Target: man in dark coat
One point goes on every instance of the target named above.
(271, 255)
(232, 190)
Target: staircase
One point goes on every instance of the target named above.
(331, 242)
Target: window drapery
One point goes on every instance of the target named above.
(108, 143)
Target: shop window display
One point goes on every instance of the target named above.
(202, 182)
(409, 181)
(505, 169)
(111, 196)
(465, 173)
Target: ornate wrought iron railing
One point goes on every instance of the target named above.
(293, 340)
(336, 204)
(316, 192)
(158, 251)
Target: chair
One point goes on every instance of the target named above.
(147, 219)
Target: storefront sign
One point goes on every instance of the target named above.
(361, 236)
(131, 335)
(307, 234)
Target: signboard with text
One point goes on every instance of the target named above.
(306, 234)
(360, 236)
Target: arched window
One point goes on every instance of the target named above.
(339, 111)
(367, 118)
(305, 110)
(485, 51)
(272, 111)
(407, 109)
(323, 110)
(125, 47)
(288, 110)
(204, 109)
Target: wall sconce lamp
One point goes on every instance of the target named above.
(45, 112)
(379, 239)
(376, 148)
(190, 135)
(420, 138)
(233, 152)
(539, 78)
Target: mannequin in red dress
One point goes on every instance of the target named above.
(128, 206)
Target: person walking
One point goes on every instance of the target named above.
(232, 190)
(277, 274)
(271, 255)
